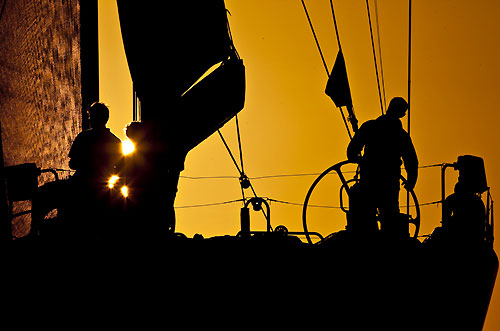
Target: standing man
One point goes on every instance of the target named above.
(95, 152)
(84, 196)
(94, 156)
(386, 145)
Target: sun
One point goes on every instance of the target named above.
(127, 147)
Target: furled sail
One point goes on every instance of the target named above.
(169, 45)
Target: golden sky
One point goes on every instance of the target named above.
(289, 126)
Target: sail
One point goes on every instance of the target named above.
(169, 45)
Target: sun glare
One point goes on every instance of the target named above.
(112, 181)
(124, 191)
(127, 147)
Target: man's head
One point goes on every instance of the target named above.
(397, 107)
(136, 131)
(98, 115)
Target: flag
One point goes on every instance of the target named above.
(337, 87)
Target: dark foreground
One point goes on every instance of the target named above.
(345, 283)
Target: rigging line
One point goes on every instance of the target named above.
(239, 144)
(315, 38)
(321, 53)
(301, 204)
(213, 204)
(374, 56)
(335, 25)
(317, 174)
(380, 53)
(234, 160)
(229, 151)
(281, 175)
(337, 207)
(340, 50)
(209, 204)
(237, 167)
(241, 154)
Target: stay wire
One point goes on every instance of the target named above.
(340, 51)
(335, 25)
(321, 53)
(239, 144)
(213, 204)
(209, 204)
(302, 204)
(241, 156)
(229, 151)
(232, 158)
(374, 56)
(239, 170)
(286, 175)
(380, 54)
(315, 38)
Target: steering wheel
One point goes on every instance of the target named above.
(345, 185)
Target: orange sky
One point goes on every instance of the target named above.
(289, 126)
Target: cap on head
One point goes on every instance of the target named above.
(397, 107)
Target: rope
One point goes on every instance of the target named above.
(210, 204)
(241, 154)
(301, 204)
(380, 54)
(239, 143)
(239, 170)
(340, 50)
(287, 175)
(315, 38)
(285, 203)
(234, 160)
(374, 56)
(230, 153)
(335, 25)
(321, 53)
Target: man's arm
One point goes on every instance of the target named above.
(411, 163)
(356, 145)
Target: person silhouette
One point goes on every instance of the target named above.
(95, 152)
(152, 174)
(136, 170)
(385, 145)
(83, 197)
(464, 215)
